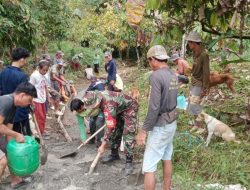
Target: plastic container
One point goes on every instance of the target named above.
(83, 135)
(181, 102)
(23, 158)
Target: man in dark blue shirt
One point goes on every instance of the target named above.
(110, 68)
(97, 121)
(10, 78)
(96, 84)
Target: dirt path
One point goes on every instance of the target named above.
(71, 173)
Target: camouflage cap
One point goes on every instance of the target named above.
(92, 99)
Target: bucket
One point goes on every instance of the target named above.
(83, 135)
(181, 102)
(23, 158)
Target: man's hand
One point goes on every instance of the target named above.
(112, 82)
(141, 137)
(203, 92)
(102, 148)
(19, 138)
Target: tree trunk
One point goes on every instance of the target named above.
(183, 46)
(241, 48)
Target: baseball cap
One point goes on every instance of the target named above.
(174, 57)
(107, 53)
(193, 37)
(158, 52)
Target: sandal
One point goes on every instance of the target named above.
(25, 181)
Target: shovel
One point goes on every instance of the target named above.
(44, 150)
(73, 154)
(92, 167)
(136, 179)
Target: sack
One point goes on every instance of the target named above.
(170, 116)
(183, 79)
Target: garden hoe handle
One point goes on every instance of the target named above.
(91, 137)
(93, 165)
(37, 127)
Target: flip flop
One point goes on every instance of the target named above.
(25, 181)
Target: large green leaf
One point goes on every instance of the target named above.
(213, 19)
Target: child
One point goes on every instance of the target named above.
(89, 72)
(38, 79)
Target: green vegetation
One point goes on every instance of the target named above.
(221, 162)
(92, 26)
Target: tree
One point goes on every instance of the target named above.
(31, 23)
(227, 19)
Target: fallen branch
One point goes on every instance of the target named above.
(59, 121)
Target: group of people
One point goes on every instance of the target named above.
(120, 110)
(18, 92)
(111, 107)
(16, 95)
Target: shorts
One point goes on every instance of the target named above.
(3, 143)
(1, 154)
(159, 146)
(54, 84)
(194, 108)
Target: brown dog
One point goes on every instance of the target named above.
(220, 78)
(134, 93)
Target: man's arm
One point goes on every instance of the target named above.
(4, 130)
(57, 78)
(206, 73)
(1, 88)
(32, 80)
(154, 103)
(113, 71)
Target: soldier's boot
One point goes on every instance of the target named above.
(129, 165)
(111, 157)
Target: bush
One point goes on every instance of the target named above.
(70, 49)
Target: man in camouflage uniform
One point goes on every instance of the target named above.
(120, 112)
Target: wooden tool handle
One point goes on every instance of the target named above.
(92, 167)
(91, 137)
(37, 128)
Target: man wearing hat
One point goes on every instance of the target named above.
(160, 123)
(182, 64)
(182, 68)
(57, 79)
(120, 112)
(58, 57)
(110, 68)
(200, 75)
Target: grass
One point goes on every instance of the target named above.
(221, 162)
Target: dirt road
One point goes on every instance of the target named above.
(71, 173)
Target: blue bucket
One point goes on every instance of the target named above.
(181, 102)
